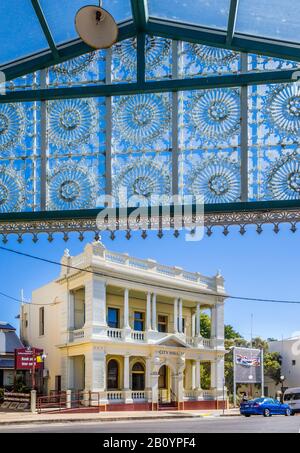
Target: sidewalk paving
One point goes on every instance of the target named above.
(12, 418)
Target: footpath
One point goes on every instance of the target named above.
(13, 418)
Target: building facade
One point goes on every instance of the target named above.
(9, 341)
(289, 350)
(128, 330)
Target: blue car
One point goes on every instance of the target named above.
(266, 407)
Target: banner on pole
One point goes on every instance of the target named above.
(248, 366)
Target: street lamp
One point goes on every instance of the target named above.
(282, 379)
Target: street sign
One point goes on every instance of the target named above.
(27, 359)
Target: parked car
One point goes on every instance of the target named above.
(264, 406)
(292, 398)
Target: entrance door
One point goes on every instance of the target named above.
(164, 385)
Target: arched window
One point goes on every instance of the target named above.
(138, 377)
(113, 375)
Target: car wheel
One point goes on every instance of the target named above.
(247, 415)
(293, 414)
(267, 413)
(288, 412)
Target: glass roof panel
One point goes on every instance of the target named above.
(207, 13)
(61, 18)
(20, 31)
(270, 18)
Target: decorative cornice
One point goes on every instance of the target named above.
(82, 224)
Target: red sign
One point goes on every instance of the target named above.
(26, 359)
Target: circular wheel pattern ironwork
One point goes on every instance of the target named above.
(142, 178)
(12, 126)
(283, 179)
(76, 66)
(283, 109)
(141, 119)
(214, 56)
(156, 51)
(12, 190)
(71, 186)
(217, 180)
(215, 114)
(71, 122)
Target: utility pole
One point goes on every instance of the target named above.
(251, 344)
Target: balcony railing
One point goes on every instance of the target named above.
(119, 396)
(116, 334)
(138, 336)
(142, 337)
(168, 271)
(115, 396)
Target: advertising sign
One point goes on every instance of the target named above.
(26, 359)
(248, 366)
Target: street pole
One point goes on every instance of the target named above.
(33, 369)
(223, 395)
(234, 379)
(262, 374)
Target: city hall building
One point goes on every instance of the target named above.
(128, 330)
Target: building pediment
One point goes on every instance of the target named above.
(173, 341)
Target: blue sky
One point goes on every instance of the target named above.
(265, 265)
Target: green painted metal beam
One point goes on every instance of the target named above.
(223, 81)
(140, 14)
(262, 206)
(141, 58)
(66, 52)
(234, 4)
(215, 38)
(46, 30)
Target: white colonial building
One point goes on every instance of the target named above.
(128, 330)
(289, 350)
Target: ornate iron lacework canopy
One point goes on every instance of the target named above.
(156, 116)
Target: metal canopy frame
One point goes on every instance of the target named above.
(240, 214)
(142, 22)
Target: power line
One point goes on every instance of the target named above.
(101, 274)
(14, 299)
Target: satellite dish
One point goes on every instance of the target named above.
(96, 27)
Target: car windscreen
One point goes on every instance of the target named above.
(292, 396)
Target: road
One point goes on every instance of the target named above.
(204, 425)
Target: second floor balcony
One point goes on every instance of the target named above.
(149, 318)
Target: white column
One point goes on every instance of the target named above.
(180, 381)
(193, 325)
(154, 320)
(217, 376)
(126, 309)
(180, 317)
(217, 324)
(71, 322)
(148, 314)
(95, 307)
(198, 320)
(148, 388)
(193, 375)
(95, 371)
(198, 375)
(176, 316)
(127, 391)
(126, 373)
